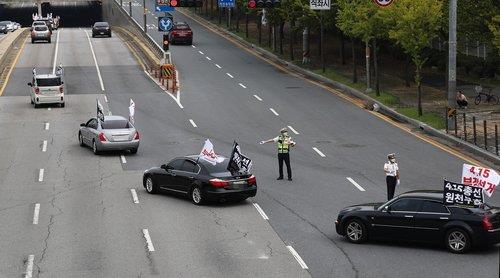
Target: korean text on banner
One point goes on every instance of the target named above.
(461, 194)
(488, 179)
(208, 153)
(319, 4)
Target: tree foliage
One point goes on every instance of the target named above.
(494, 26)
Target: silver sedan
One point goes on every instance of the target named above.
(115, 133)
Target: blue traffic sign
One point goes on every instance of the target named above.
(227, 3)
(165, 24)
(164, 8)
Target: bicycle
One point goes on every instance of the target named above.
(489, 96)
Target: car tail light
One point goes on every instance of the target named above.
(102, 137)
(252, 180)
(137, 136)
(487, 224)
(175, 33)
(219, 183)
(37, 90)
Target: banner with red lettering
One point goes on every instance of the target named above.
(486, 178)
(208, 153)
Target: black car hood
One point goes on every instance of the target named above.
(367, 206)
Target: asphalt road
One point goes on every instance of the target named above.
(355, 144)
(65, 212)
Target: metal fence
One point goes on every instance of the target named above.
(480, 129)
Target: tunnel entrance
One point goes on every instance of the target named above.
(73, 14)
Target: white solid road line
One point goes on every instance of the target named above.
(355, 184)
(192, 123)
(95, 61)
(40, 175)
(145, 232)
(217, 65)
(36, 214)
(106, 98)
(297, 257)
(228, 74)
(47, 125)
(201, 52)
(44, 146)
(293, 130)
(262, 213)
(274, 112)
(257, 97)
(176, 99)
(29, 266)
(122, 157)
(134, 196)
(55, 54)
(319, 152)
(242, 86)
(208, 58)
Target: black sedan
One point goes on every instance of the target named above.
(101, 29)
(421, 216)
(200, 180)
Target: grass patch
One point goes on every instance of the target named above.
(334, 75)
(429, 118)
(385, 98)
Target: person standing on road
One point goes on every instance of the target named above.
(284, 143)
(391, 175)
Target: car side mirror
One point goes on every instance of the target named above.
(387, 209)
(29, 84)
(83, 124)
(164, 166)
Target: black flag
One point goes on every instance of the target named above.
(100, 112)
(238, 163)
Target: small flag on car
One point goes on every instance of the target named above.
(238, 163)
(131, 112)
(100, 111)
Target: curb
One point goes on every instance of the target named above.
(354, 92)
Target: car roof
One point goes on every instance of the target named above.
(195, 157)
(46, 76)
(114, 118)
(427, 194)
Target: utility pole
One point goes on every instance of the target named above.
(145, 25)
(452, 57)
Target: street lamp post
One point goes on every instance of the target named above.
(452, 57)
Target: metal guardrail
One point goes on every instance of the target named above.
(157, 49)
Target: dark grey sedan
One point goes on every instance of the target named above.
(115, 133)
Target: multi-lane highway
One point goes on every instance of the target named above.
(65, 212)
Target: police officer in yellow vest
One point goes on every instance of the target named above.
(284, 143)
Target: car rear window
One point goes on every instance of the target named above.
(217, 170)
(101, 24)
(115, 124)
(182, 27)
(40, 28)
(47, 82)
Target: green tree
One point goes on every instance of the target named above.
(494, 26)
(414, 24)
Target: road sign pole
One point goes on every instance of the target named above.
(145, 25)
(229, 18)
(130, 8)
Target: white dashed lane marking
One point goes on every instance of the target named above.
(257, 97)
(192, 123)
(355, 184)
(145, 232)
(208, 58)
(47, 126)
(228, 74)
(122, 157)
(44, 146)
(274, 111)
(319, 152)
(242, 86)
(293, 130)
(29, 266)
(201, 52)
(36, 213)
(134, 196)
(40, 175)
(217, 65)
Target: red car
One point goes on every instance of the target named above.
(181, 33)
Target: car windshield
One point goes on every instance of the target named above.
(48, 82)
(115, 124)
(40, 28)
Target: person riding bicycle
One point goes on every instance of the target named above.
(461, 99)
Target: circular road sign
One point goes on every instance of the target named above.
(166, 24)
(383, 3)
(173, 3)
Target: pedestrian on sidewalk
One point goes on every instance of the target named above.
(284, 143)
(391, 170)
(461, 100)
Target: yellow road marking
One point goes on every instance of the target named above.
(355, 101)
(13, 66)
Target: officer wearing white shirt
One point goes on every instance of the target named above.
(391, 170)
(284, 143)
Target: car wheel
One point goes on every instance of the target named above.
(457, 241)
(150, 186)
(133, 151)
(80, 139)
(109, 35)
(94, 147)
(190, 42)
(62, 105)
(477, 99)
(197, 196)
(35, 105)
(355, 231)
(31, 101)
